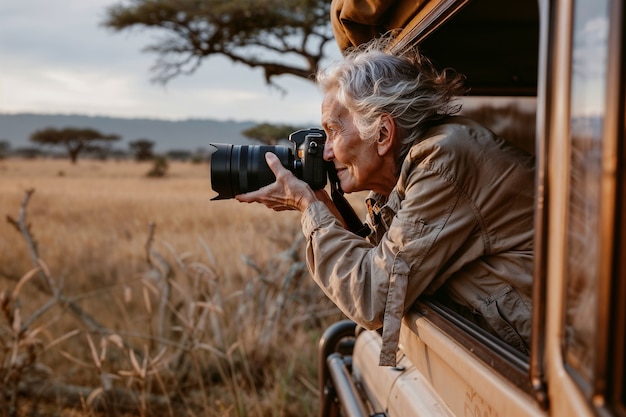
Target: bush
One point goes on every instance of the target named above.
(159, 167)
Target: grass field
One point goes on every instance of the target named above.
(215, 316)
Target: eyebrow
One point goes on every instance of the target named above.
(331, 121)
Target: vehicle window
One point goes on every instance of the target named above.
(588, 92)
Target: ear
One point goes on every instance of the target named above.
(386, 135)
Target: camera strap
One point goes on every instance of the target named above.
(352, 220)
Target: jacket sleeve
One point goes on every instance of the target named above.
(375, 285)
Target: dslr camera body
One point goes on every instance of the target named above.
(238, 169)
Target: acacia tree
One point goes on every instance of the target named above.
(257, 33)
(75, 140)
(268, 133)
(142, 149)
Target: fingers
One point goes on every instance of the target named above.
(269, 196)
(252, 196)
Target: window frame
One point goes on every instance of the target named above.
(605, 391)
(611, 384)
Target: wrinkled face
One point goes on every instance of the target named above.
(356, 161)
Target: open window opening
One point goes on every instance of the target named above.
(496, 46)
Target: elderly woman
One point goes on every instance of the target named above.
(450, 208)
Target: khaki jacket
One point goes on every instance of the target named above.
(458, 224)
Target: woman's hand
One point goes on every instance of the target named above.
(287, 193)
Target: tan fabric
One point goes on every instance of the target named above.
(459, 222)
(357, 21)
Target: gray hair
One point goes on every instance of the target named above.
(371, 82)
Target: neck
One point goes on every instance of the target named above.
(387, 179)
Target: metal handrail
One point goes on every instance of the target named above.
(349, 398)
(338, 338)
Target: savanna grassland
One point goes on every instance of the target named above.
(123, 294)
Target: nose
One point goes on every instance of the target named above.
(328, 154)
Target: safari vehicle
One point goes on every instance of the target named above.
(569, 55)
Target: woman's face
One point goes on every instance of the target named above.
(357, 162)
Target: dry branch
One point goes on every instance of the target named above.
(24, 228)
(46, 283)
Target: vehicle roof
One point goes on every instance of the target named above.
(494, 43)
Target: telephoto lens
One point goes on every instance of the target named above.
(238, 169)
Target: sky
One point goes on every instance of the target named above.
(57, 58)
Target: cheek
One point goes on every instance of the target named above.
(349, 150)
(363, 170)
(363, 164)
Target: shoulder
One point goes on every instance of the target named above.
(447, 146)
(464, 144)
(453, 135)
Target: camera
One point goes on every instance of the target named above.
(237, 169)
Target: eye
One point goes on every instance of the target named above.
(332, 128)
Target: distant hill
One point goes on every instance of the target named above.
(190, 134)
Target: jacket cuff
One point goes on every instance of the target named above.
(315, 216)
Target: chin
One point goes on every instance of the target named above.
(348, 189)
(349, 186)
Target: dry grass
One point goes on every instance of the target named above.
(226, 325)
(104, 210)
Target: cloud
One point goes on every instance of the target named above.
(57, 58)
(60, 90)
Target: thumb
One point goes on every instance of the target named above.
(273, 162)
